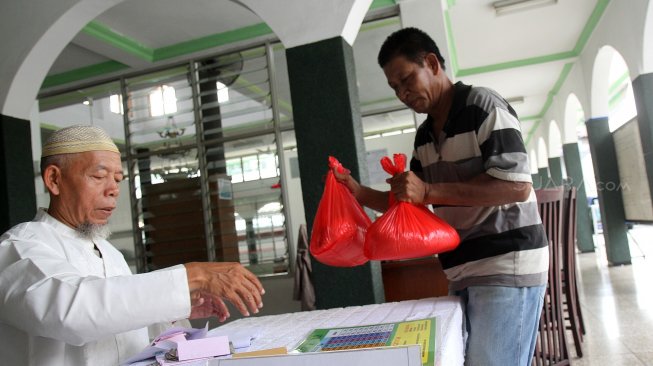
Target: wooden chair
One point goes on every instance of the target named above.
(551, 346)
(572, 309)
(399, 279)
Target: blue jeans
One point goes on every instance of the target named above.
(502, 324)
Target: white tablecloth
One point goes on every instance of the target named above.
(288, 330)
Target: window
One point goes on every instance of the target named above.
(223, 92)
(163, 100)
(235, 170)
(267, 165)
(115, 104)
(250, 168)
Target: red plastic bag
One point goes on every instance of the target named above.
(407, 230)
(340, 225)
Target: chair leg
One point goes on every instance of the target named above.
(572, 310)
(580, 312)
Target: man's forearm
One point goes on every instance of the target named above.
(372, 198)
(482, 190)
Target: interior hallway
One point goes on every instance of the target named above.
(617, 304)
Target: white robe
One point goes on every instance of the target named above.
(61, 304)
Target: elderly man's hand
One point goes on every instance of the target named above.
(211, 283)
(204, 306)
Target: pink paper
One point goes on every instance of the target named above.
(202, 348)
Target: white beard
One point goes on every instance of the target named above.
(93, 231)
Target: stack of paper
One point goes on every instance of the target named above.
(178, 346)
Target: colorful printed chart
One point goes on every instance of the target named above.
(421, 332)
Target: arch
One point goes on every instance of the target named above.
(574, 116)
(39, 47)
(647, 44)
(542, 154)
(532, 156)
(621, 106)
(612, 94)
(555, 140)
(599, 92)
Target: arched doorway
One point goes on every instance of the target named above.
(543, 163)
(580, 172)
(556, 164)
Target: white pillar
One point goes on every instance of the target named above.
(300, 22)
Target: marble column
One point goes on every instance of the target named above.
(17, 191)
(606, 172)
(328, 122)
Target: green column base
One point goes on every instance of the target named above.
(643, 90)
(606, 172)
(545, 179)
(328, 122)
(584, 230)
(17, 191)
(537, 181)
(555, 168)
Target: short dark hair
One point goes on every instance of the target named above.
(411, 43)
(60, 160)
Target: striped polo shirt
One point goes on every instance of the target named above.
(500, 245)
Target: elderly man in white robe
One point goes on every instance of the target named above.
(67, 296)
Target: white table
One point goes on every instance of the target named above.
(288, 330)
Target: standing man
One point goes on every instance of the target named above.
(470, 163)
(67, 296)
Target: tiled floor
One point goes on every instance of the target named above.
(617, 304)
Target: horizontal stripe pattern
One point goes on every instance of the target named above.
(490, 220)
(502, 142)
(508, 280)
(509, 166)
(498, 119)
(523, 238)
(501, 245)
(530, 262)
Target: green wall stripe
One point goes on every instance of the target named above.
(379, 24)
(616, 98)
(587, 31)
(378, 101)
(49, 126)
(556, 88)
(561, 79)
(549, 100)
(117, 40)
(529, 136)
(617, 84)
(79, 96)
(129, 45)
(376, 4)
(83, 73)
(593, 20)
(453, 54)
(211, 41)
(517, 63)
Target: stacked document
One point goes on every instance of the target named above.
(181, 346)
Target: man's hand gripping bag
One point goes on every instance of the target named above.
(407, 230)
(340, 224)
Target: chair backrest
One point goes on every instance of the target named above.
(550, 206)
(551, 347)
(569, 221)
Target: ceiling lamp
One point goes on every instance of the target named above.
(515, 100)
(511, 6)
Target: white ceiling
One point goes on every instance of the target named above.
(521, 54)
